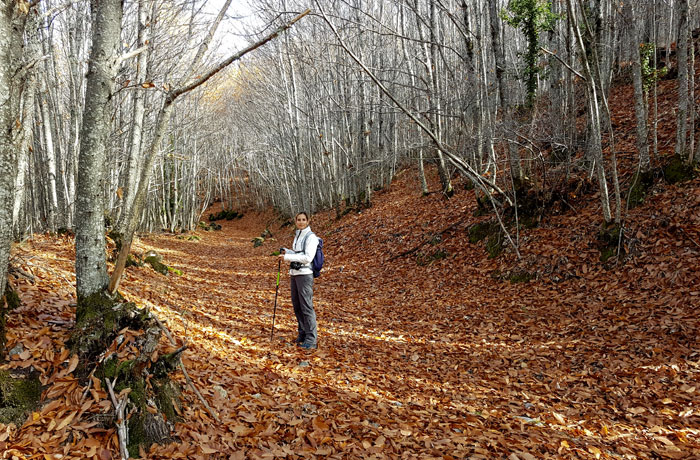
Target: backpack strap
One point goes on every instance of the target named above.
(303, 244)
(303, 248)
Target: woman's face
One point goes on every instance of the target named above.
(301, 221)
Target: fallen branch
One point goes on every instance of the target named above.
(122, 431)
(184, 371)
(426, 241)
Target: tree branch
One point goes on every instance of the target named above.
(225, 63)
(571, 69)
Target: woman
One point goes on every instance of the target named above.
(302, 280)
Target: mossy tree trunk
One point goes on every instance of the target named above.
(12, 85)
(99, 315)
(153, 395)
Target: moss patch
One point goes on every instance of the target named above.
(228, 215)
(608, 240)
(478, 232)
(8, 302)
(208, 227)
(641, 183)
(521, 276)
(482, 206)
(133, 261)
(169, 399)
(98, 318)
(156, 264)
(678, 170)
(19, 395)
(423, 259)
(494, 244)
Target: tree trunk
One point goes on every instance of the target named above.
(640, 103)
(504, 96)
(8, 154)
(594, 118)
(132, 165)
(12, 84)
(50, 152)
(433, 97)
(90, 262)
(27, 120)
(682, 58)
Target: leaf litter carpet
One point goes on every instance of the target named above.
(416, 359)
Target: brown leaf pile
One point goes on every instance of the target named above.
(415, 361)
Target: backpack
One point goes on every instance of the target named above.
(317, 262)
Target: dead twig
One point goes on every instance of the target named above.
(690, 238)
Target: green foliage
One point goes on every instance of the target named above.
(650, 74)
(532, 17)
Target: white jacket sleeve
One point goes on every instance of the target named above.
(304, 257)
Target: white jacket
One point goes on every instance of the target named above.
(299, 255)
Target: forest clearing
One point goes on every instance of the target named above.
(507, 195)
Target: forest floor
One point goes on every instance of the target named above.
(433, 354)
(429, 355)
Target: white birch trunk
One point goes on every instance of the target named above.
(594, 118)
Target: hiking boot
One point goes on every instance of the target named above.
(308, 346)
(299, 340)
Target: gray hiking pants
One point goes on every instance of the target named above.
(302, 300)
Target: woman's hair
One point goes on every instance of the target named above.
(300, 213)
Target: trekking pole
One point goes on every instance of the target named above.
(277, 290)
